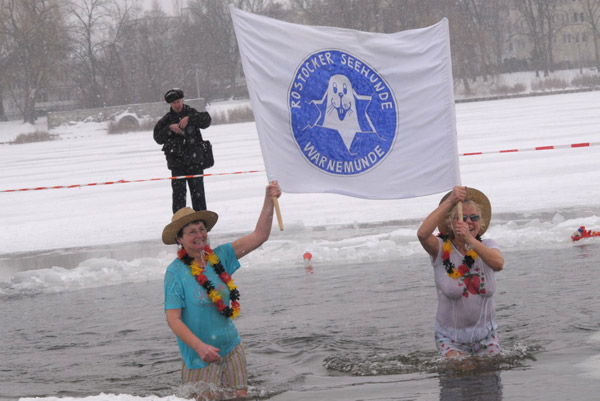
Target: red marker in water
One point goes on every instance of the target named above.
(307, 258)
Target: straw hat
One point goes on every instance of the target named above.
(184, 216)
(477, 197)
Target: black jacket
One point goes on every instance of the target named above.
(177, 147)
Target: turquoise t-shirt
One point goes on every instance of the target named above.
(198, 312)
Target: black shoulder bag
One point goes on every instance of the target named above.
(203, 155)
(199, 152)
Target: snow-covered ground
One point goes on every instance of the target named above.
(524, 182)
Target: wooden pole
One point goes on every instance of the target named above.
(460, 213)
(278, 212)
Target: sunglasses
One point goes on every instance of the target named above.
(473, 217)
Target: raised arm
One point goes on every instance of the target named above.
(491, 256)
(250, 242)
(425, 232)
(200, 119)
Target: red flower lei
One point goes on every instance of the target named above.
(197, 271)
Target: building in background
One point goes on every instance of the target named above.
(489, 38)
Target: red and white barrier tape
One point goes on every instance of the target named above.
(92, 184)
(551, 147)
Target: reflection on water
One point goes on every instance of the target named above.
(354, 324)
(480, 387)
(586, 250)
(429, 362)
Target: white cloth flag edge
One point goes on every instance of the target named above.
(263, 104)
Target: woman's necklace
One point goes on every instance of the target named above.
(198, 272)
(473, 282)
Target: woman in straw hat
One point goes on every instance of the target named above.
(201, 299)
(464, 268)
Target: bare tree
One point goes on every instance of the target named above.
(399, 15)
(118, 86)
(540, 18)
(549, 11)
(148, 53)
(351, 14)
(206, 44)
(178, 7)
(115, 54)
(35, 38)
(592, 19)
(97, 28)
(4, 61)
(476, 16)
(210, 50)
(498, 29)
(87, 32)
(531, 15)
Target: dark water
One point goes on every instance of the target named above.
(338, 332)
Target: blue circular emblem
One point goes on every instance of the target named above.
(343, 114)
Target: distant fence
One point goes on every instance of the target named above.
(143, 110)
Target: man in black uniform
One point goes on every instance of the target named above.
(179, 133)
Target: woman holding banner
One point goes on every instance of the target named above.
(201, 299)
(464, 267)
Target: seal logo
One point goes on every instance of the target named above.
(343, 115)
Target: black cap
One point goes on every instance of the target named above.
(173, 94)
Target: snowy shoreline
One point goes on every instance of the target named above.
(519, 182)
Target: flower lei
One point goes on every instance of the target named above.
(473, 282)
(197, 271)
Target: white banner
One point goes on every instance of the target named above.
(363, 114)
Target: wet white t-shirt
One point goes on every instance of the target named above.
(466, 310)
